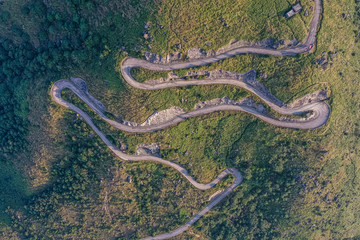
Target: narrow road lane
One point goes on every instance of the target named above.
(320, 110)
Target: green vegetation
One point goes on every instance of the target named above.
(58, 180)
(212, 24)
(13, 190)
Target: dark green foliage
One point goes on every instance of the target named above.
(12, 188)
(77, 179)
(21, 64)
(272, 160)
(260, 202)
(4, 17)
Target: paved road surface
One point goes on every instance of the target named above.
(321, 110)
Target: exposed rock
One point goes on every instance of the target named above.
(260, 108)
(171, 57)
(333, 55)
(156, 58)
(326, 198)
(317, 96)
(195, 53)
(129, 123)
(146, 36)
(291, 43)
(163, 116)
(320, 61)
(173, 75)
(326, 60)
(325, 65)
(128, 179)
(210, 53)
(208, 43)
(246, 102)
(276, 45)
(123, 146)
(263, 75)
(306, 13)
(214, 102)
(153, 57)
(219, 73)
(267, 43)
(198, 73)
(148, 149)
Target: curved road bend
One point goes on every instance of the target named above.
(321, 110)
(130, 62)
(232, 171)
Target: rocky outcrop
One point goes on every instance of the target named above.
(247, 102)
(209, 75)
(156, 58)
(153, 57)
(214, 102)
(172, 57)
(173, 76)
(210, 53)
(163, 116)
(198, 73)
(157, 117)
(222, 74)
(196, 53)
(317, 96)
(291, 43)
(148, 149)
(129, 123)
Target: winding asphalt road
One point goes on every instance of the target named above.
(320, 110)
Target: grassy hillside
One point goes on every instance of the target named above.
(59, 180)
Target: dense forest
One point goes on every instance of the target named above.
(297, 184)
(22, 62)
